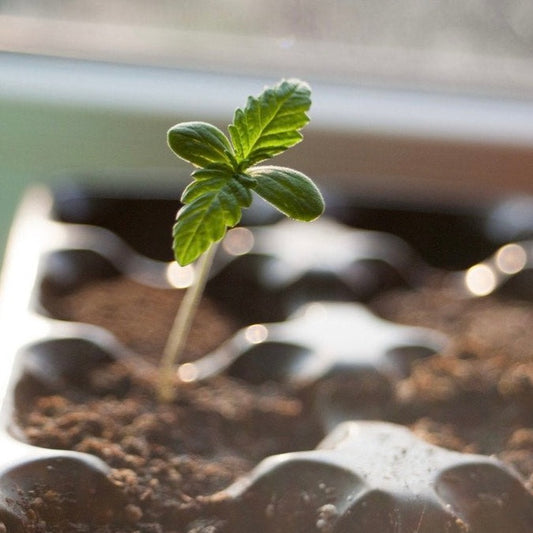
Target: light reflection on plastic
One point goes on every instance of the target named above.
(316, 311)
(180, 277)
(256, 333)
(480, 280)
(511, 258)
(238, 241)
(188, 372)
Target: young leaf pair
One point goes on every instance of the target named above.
(228, 172)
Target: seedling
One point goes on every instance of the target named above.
(222, 186)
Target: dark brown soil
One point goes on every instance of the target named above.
(477, 397)
(140, 316)
(166, 457)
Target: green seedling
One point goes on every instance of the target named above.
(227, 173)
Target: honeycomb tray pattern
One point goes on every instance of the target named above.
(366, 475)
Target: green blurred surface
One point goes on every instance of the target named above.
(48, 144)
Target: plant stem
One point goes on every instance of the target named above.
(173, 351)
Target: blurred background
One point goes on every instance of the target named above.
(414, 98)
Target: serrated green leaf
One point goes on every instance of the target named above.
(203, 173)
(201, 144)
(215, 204)
(220, 184)
(206, 182)
(270, 123)
(288, 190)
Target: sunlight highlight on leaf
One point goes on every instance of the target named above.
(222, 184)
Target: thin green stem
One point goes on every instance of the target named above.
(174, 348)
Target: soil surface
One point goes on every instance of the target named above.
(165, 457)
(168, 459)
